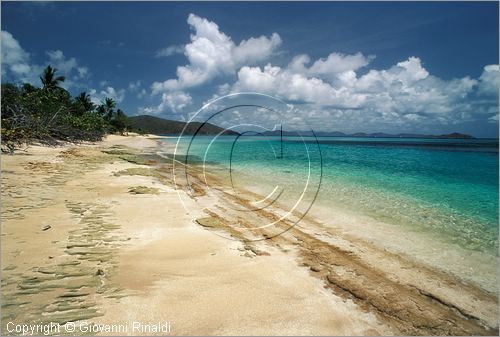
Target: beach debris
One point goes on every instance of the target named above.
(143, 190)
(197, 190)
(256, 251)
(137, 160)
(315, 269)
(137, 171)
(208, 222)
(249, 253)
(45, 270)
(117, 152)
(46, 227)
(42, 166)
(260, 252)
(99, 272)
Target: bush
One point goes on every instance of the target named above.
(50, 115)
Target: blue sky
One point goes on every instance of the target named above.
(388, 67)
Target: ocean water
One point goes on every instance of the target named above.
(444, 187)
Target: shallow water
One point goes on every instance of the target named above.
(444, 187)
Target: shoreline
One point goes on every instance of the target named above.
(479, 268)
(148, 258)
(423, 246)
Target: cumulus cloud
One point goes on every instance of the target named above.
(15, 60)
(57, 58)
(17, 65)
(488, 81)
(68, 67)
(338, 89)
(404, 92)
(97, 97)
(334, 64)
(274, 80)
(83, 72)
(255, 49)
(176, 101)
(12, 53)
(212, 53)
(173, 101)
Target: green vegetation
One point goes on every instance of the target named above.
(159, 126)
(49, 115)
(136, 171)
(143, 190)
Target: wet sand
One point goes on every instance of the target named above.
(98, 233)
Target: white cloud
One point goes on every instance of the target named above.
(83, 72)
(255, 49)
(141, 94)
(212, 53)
(20, 69)
(17, 66)
(108, 92)
(493, 119)
(176, 101)
(405, 92)
(173, 102)
(68, 67)
(336, 89)
(15, 60)
(413, 70)
(135, 86)
(12, 53)
(169, 51)
(59, 61)
(488, 81)
(223, 89)
(334, 64)
(291, 86)
(404, 74)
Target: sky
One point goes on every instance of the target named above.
(428, 67)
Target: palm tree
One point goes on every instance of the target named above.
(85, 101)
(120, 122)
(109, 108)
(100, 109)
(49, 79)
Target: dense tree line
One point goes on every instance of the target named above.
(49, 115)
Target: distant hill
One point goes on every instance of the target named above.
(158, 126)
(454, 135)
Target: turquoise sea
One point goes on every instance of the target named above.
(443, 187)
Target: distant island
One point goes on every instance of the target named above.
(161, 126)
(454, 135)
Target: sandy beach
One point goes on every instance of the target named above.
(99, 233)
